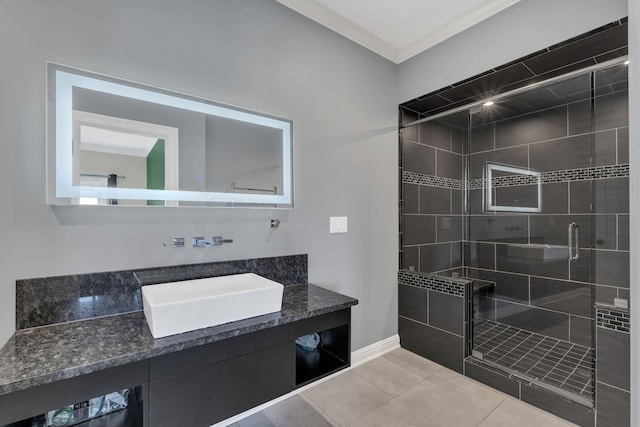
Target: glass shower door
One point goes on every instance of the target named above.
(531, 232)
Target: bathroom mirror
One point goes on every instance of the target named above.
(116, 142)
(512, 189)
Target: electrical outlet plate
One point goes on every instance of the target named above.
(337, 224)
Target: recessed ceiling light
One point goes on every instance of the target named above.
(626, 62)
(487, 104)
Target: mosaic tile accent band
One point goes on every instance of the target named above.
(432, 181)
(433, 283)
(616, 320)
(566, 175)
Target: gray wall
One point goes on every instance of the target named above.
(252, 53)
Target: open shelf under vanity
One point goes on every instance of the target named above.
(331, 355)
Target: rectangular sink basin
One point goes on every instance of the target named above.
(538, 253)
(177, 307)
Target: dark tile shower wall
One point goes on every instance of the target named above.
(545, 135)
(432, 177)
(600, 45)
(547, 296)
(433, 317)
(612, 367)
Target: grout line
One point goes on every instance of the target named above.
(541, 141)
(618, 231)
(418, 198)
(431, 326)
(613, 386)
(575, 369)
(543, 343)
(501, 344)
(435, 159)
(319, 411)
(436, 229)
(427, 311)
(435, 148)
(587, 385)
(543, 358)
(546, 277)
(451, 139)
(617, 153)
(493, 132)
(514, 348)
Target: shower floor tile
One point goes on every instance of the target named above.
(537, 357)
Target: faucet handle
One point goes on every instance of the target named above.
(219, 240)
(199, 242)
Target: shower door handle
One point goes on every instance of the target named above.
(574, 241)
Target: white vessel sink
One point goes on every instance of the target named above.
(539, 253)
(177, 307)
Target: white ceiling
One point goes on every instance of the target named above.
(398, 29)
(113, 142)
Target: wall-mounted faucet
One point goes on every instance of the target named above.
(219, 240)
(177, 242)
(200, 242)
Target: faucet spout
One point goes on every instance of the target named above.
(219, 240)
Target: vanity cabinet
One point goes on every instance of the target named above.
(204, 385)
(201, 385)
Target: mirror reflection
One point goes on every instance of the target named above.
(121, 143)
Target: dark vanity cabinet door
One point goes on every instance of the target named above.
(204, 385)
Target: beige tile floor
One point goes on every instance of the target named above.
(405, 390)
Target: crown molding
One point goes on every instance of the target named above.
(333, 21)
(350, 30)
(449, 30)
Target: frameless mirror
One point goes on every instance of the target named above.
(111, 141)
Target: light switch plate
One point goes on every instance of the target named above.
(337, 224)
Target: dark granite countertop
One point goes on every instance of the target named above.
(46, 354)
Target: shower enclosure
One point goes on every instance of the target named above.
(530, 199)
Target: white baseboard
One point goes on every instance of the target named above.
(374, 350)
(358, 357)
